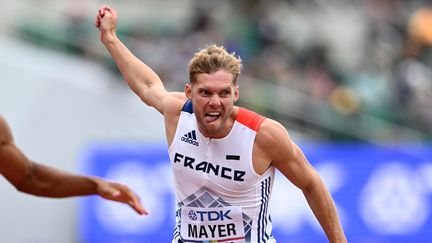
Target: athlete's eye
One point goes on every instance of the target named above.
(204, 92)
(225, 93)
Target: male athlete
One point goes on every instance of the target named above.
(41, 180)
(223, 156)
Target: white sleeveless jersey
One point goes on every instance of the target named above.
(220, 197)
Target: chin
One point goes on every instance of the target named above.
(212, 129)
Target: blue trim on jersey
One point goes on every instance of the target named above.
(177, 237)
(187, 107)
(263, 218)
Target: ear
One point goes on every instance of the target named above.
(236, 93)
(188, 90)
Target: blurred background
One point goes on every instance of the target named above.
(350, 80)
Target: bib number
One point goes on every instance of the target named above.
(224, 223)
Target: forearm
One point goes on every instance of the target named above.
(138, 75)
(322, 205)
(49, 182)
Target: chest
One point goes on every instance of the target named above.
(223, 163)
(226, 159)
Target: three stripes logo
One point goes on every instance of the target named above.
(190, 137)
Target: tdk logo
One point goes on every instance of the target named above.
(217, 215)
(190, 137)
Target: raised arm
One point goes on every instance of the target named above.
(41, 180)
(140, 78)
(288, 158)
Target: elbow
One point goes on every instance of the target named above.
(314, 184)
(24, 186)
(27, 181)
(309, 188)
(28, 184)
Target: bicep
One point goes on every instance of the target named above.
(289, 159)
(296, 168)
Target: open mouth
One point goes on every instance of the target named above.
(211, 116)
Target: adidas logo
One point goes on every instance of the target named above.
(190, 137)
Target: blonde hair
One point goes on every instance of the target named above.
(212, 59)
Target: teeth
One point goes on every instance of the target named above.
(213, 113)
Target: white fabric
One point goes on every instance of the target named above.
(217, 174)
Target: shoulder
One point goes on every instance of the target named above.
(266, 128)
(173, 103)
(273, 138)
(271, 131)
(248, 118)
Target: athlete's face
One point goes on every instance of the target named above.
(213, 97)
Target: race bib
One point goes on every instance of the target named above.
(208, 224)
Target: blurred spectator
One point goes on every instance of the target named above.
(319, 77)
(413, 71)
(295, 45)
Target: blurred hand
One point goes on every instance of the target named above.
(106, 21)
(120, 193)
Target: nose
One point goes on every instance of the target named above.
(215, 101)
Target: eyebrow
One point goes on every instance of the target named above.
(222, 89)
